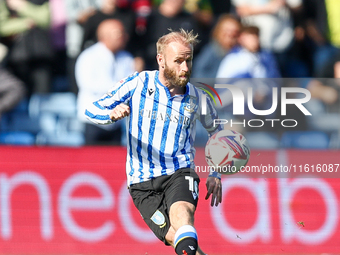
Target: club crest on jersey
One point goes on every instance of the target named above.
(158, 218)
(190, 103)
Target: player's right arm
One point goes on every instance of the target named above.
(119, 112)
(114, 105)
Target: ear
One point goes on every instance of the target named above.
(160, 60)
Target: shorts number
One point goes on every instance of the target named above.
(193, 186)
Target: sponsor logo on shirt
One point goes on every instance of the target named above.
(161, 116)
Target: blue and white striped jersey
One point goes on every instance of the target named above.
(160, 128)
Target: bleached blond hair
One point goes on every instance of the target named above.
(181, 36)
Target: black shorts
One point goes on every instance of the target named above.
(153, 198)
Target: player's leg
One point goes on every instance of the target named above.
(181, 213)
(170, 236)
(182, 196)
(154, 207)
(182, 220)
(151, 206)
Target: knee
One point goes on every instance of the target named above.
(181, 213)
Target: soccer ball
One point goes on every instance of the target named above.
(227, 151)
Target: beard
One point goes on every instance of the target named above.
(175, 80)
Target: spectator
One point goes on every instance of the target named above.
(202, 11)
(275, 20)
(336, 67)
(25, 24)
(12, 90)
(77, 12)
(224, 38)
(322, 21)
(170, 14)
(58, 22)
(331, 68)
(108, 10)
(98, 68)
(220, 7)
(141, 8)
(60, 82)
(323, 90)
(248, 60)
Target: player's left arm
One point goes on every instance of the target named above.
(207, 119)
(214, 188)
(213, 183)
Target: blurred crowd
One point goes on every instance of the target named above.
(81, 47)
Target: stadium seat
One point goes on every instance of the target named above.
(61, 104)
(334, 141)
(327, 122)
(4, 122)
(21, 122)
(57, 115)
(17, 138)
(16, 126)
(321, 119)
(60, 139)
(305, 140)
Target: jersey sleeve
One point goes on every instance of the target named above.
(99, 111)
(207, 119)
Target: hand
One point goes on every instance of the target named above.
(16, 5)
(120, 111)
(214, 187)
